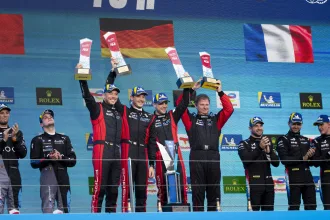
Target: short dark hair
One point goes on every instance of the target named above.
(200, 97)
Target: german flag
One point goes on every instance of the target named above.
(138, 38)
(11, 34)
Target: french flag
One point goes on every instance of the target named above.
(278, 43)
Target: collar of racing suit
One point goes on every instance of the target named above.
(325, 135)
(108, 106)
(160, 116)
(254, 139)
(49, 135)
(137, 110)
(292, 134)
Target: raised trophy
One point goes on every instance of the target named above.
(208, 82)
(84, 73)
(184, 80)
(172, 177)
(122, 68)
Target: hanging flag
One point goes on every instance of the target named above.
(278, 43)
(138, 38)
(11, 34)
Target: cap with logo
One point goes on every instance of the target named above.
(47, 111)
(160, 98)
(255, 120)
(321, 119)
(295, 117)
(110, 88)
(3, 106)
(138, 90)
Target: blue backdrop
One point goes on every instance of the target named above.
(52, 30)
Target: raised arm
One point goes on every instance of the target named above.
(227, 109)
(181, 105)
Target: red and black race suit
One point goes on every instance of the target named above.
(134, 144)
(107, 128)
(165, 127)
(204, 159)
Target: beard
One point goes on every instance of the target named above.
(4, 122)
(256, 135)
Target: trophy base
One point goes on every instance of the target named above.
(123, 70)
(210, 83)
(176, 207)
(185, 82)
(83, 74)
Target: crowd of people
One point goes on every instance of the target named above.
(121, 132)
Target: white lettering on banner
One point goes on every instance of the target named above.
(119, 4)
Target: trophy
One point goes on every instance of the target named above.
(183, 81)
(208, 82)
(122, 68)
(173, 189)
(84, 73)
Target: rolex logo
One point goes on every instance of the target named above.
(49, 96)
(234, 181)
(49, 93)
(310, 98)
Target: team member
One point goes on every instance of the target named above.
(12, 148)
(322, 155)
(135, 137)
(295, 151)
(165, 126)
(257, 154)
(106, 122)
(52, 153)
(203, 130)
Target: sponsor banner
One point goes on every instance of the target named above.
(152, 187)
(311, 101)
(273, 138)
(148, 97)
(234, 184)
(176, 95)
(316, 182)
(279, 184)
(269, 99)
(233, 96)
(89, 141)
(189, 185)
(184, 142)
(49, 96)
(91, 185)
(7, 95)
(97, 93)
(230, 142)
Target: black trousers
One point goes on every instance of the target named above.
(205, 177)
(308, 193)
(262, 199)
